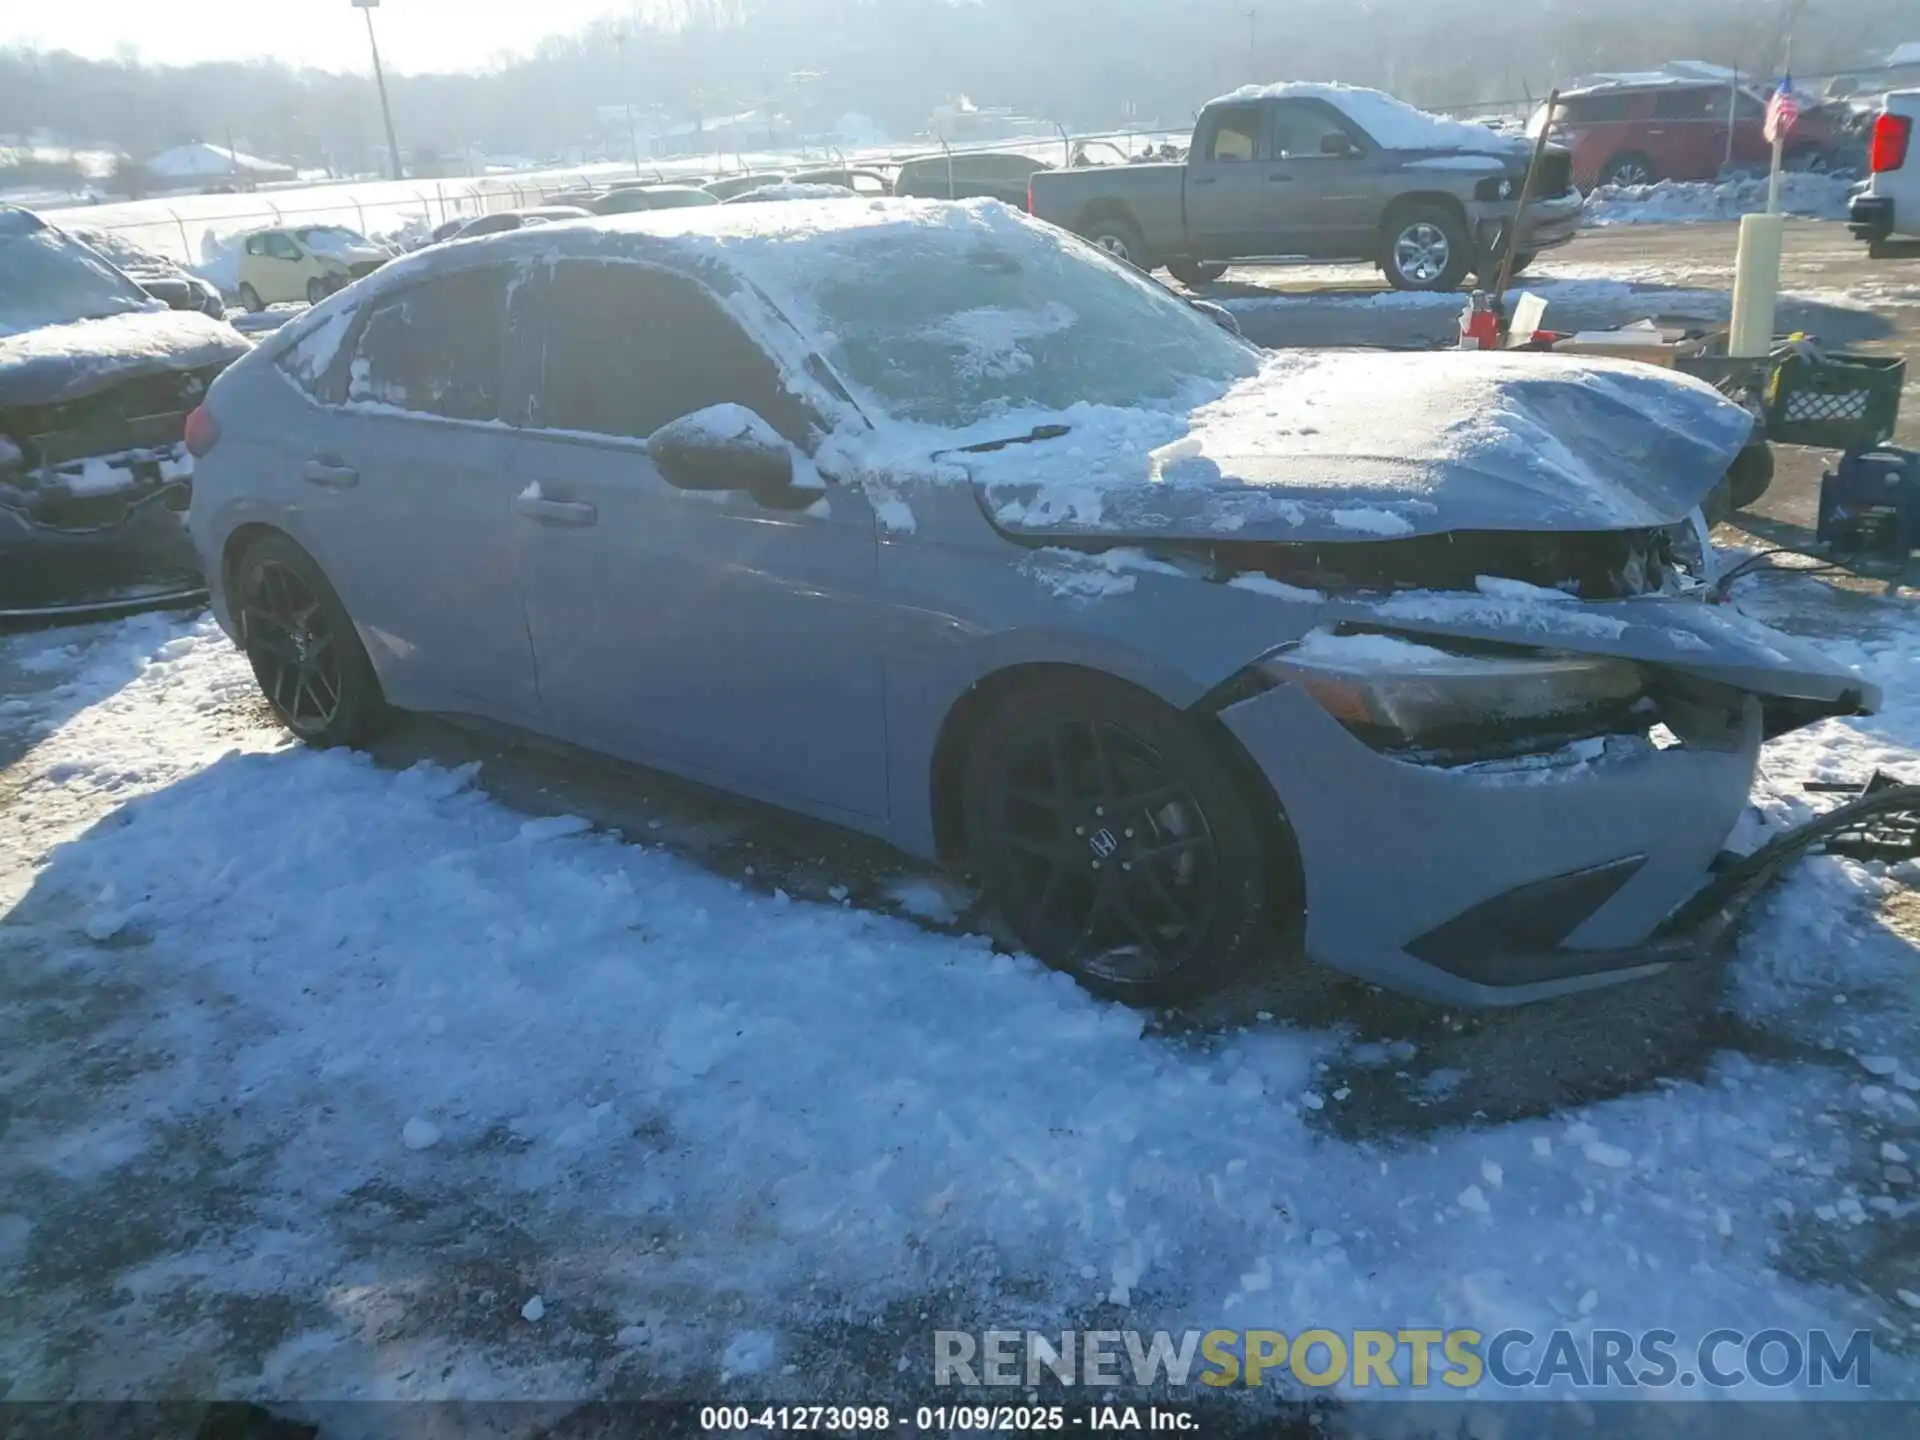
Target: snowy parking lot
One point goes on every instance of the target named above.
(463, 1070)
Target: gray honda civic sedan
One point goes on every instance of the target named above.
(929, 520)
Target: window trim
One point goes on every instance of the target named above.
(342, 366)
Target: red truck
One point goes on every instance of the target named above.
(1637, 132)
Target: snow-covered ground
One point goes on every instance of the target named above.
(320, 1071)
(1669, 202)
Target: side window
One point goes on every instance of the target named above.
(1691, 104)
(256, 245)
(1301, 128)
(1748, 106)
(435, 347)
(1602, 106)
(1236, 134)
(281, 247)
(630, 348)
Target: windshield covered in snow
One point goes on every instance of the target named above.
(1012, 322)
(331, 239)
(49, 278)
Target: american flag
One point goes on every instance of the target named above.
(1783, 111)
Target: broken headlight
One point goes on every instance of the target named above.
(1397, 693)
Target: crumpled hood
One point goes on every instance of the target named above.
(354, 254)
(1367, 445)
(57, 364)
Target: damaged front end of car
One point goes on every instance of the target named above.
(1507, 792)
(93, 491)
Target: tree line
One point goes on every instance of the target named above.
(1089, 64)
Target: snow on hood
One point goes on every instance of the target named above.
(60, 363)
(1359, 445)
(1393, 124)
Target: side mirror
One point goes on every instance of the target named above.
(1219, 314)
(724, 447)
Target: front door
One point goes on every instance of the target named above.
(407, 499)
(1329, 186)
(703, 632)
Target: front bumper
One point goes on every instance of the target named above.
(1870, 217)
(1548, 223)
(1498, 886)
(107, 530)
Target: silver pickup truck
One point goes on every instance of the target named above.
(1321, 172)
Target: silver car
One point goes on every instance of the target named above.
(931, 521)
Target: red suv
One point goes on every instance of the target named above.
(1634, 133)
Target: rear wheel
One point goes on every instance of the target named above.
(1120, 238)
(1426, 248)
(1195, 272)
(303, 648)
(1116, 841)
(250, 298)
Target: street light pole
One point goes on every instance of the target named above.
(366, 7)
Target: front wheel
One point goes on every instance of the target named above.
(1426, 249)
(1193, 273)
(1116, 841)
(303, 648)
(250, 299)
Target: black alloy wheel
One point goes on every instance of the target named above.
(1115, 843)
(305, 654)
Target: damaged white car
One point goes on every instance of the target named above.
(932, 521)
(97, 380)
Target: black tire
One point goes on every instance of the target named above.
(1629, 167)
(303, 648)
(1425, 247)
(250, 298)
(1150, 912)
(1120, 238)
(1196, 272)
(316, 292)
(1522, 261)
(1750, 475)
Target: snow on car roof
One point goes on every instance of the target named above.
(1392, 123)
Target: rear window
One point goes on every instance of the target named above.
(1691, 104)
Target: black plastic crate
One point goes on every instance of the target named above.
(1835, 402)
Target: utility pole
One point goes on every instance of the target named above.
(633, 135)
(367, 7)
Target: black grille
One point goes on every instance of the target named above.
(140, 413)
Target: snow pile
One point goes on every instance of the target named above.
(655, 1101)
(1392, 123)
(1820, 197)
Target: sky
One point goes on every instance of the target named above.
(415, 35)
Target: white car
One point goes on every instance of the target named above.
(1886, 211)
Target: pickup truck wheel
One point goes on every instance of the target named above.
(1121, 239)
(1426, 249)
(1196, 272)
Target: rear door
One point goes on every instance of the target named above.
(407, 499)
(1229, 211)
(707, 633)
(1688, 136)
(1327, 184)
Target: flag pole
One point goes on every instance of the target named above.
(1779, 138)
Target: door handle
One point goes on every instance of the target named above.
(556, 512)
(331, 475)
